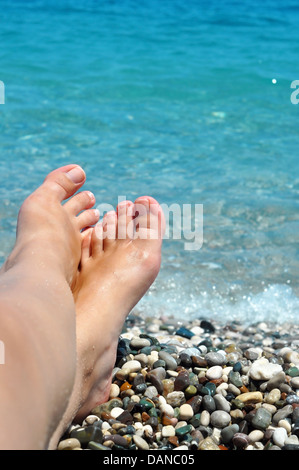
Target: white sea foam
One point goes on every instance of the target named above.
(275, 303)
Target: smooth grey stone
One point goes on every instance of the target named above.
(170, 361)
(228, 433)
(192, 352)
(282, 414)
(215, 359)
(262, 419)
(276, 381)
(222, 403)
(208, 403)
(220, 419)
(139, 343)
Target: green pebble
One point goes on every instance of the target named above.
(97, 446)
(209, 389)
(195, 420)
(193, 378)
(159, 363)
(87, 434)
(292, 372)
(148, 404)
(183, 430)
(190, 391)
(235, 378)
(153, 412)
(236, 403)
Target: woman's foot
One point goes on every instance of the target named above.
(37, 309)
(121, 258)
(49, 232)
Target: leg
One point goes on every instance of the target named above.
(37, 311)
(120, 259)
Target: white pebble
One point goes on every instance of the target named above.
(132, 366)
(273, 396)
(284, 423)
(262, 369)
(116, 411)
(186, 412)
(255, 436)
(114, 391)
(214, 373)
(205, 418)
(168, 431)
(168, 410)
(279, 436)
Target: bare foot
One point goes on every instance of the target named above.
(121, 258)
(37, 309)
(49, 233)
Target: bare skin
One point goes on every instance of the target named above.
(37, 310)
(121, 258)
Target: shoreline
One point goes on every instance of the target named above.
(199, 385)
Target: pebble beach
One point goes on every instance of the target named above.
(198, 385)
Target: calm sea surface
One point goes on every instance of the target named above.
(187, 101)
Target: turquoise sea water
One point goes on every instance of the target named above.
(187, 101)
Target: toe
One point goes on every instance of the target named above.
(97, 238)
(87, 218)
(81, 201)
(64, 182)
(109, 228)
(86, 245)
(125, 220)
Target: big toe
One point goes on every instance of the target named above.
(64, 182)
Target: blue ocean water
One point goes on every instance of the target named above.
(187, 101)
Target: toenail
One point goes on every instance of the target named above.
(90, 194)
(77, 175)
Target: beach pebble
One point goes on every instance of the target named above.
(186, 412)
(176, 398)
(168, 431)
(214, 373)
(132, 366)
(262, 419)
(167, 409)
(240, 440)
(139, 343)
(295, 382)
(140, 442)
(255, 436)
(221, 403)
(262, 369)
(228, 432)
(273, 396)
(208, 444)
(116, 412)
(250, 397)
(279, 436)
(114, 391)
(205, 418)
(69, 444)
(220, 419)
(170, 361)
(216, 359)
